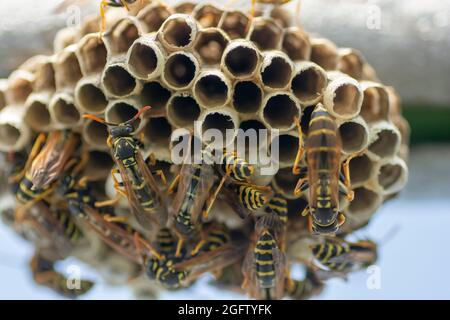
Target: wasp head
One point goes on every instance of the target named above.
(125, 130)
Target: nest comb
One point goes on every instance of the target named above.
(201, 62)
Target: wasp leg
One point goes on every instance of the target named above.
(83, 162)
(107, 203)
(173, 185)
(37, 146)
(139, 242)
(103, 5)
(109, 142)
(301, 186)
(198, 247)
(289, 281)
(71, 163)
(179, 244)
(212, 199)
(254, 186)
(125, 5)
(162, 176)
(305, 211)
(296, 168)
(310, 224)
(40, 197)
(341, 219)
(120, 193)
(244, 284)
(84, 181)
(151, 159)
(252, 11)
(110, 218)
(117, 184)
(347, 181)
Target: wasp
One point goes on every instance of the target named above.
(339, 257)
(215, 252)
(250, 197)
(48, 227)
(48, 159)
(305, 289)
(246, 197)
(193, 195)
(195, 182)
(119, 236)
(162, 269)
(77, 191)
(217, 235)
(157, 258)
(235, 167)
(45, 274)
(146, 201)
(277, 211)
(324, 178)
(264, 267)
(54, 158)
(55, 234)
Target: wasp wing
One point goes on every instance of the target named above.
(279, 259)
(251, 284)
(157, 195)
(119, 239)
(53, 158)
(195, 181)
(212, 261)
(145, 219)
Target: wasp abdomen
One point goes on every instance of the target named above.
(252, 198)
(264, 259)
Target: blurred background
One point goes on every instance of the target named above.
(408, 44)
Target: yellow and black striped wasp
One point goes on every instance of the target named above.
(193, 196)
(145, 198)
(323, 177)
(305, 289)
(196, 180)
(35, 178)
(245, 197)
(337, 257)
(76, 190)
(277, 207)
(44, 274)
(46, 226)
(162, 269)
(264, 267)
(217, 249)
(56, 156)
(157, 258)
(55, 234)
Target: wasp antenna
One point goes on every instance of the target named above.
(138, 114)
(100, 120)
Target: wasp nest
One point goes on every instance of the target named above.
(201, 62)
